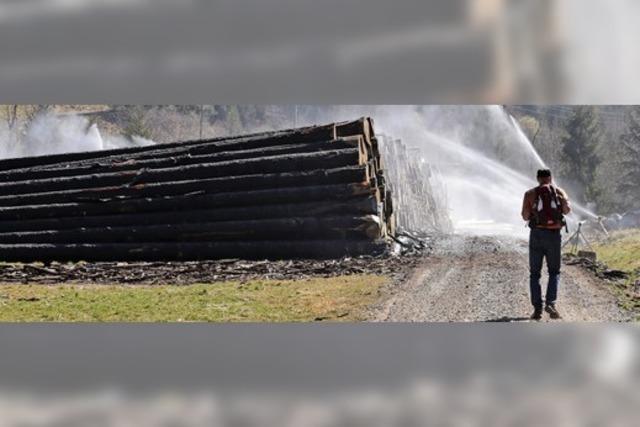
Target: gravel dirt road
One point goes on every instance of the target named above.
(471, 278)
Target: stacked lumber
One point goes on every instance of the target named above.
(416, 187)
(312, 192)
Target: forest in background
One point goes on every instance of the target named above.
(596, 149)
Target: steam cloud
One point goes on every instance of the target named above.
(53, 134)
(484, 159)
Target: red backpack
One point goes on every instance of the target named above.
(547, 210)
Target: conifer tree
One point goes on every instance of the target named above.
(629, 185)
(579, 155)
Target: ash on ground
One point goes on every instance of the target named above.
(397, 263)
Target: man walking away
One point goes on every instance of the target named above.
(544, 208)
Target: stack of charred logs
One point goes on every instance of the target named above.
(313, 192)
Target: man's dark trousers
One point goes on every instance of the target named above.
(547, 244)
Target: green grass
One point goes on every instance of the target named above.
(338, 299)
(622, 252)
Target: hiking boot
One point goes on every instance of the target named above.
(553, 312)
(537, 314)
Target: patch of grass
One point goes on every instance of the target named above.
(337, 299)
(622, 252)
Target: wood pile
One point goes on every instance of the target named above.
(415, 187)
(312, 192)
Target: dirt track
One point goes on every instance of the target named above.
(469, 278)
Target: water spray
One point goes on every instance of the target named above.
(54, 134)
(524, 140)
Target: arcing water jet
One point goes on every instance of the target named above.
(488, 164)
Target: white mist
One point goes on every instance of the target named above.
(53, 134)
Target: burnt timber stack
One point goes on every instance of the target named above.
(312, 192)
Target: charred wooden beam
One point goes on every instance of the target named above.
(266, 249)
(106, 195)
(356, 207)
(180, 208)
(294, 228)
(290, 136)
(263, 165)
(175, 158)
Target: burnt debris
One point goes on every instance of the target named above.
(311, 192)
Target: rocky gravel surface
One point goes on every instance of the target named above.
(471, 278)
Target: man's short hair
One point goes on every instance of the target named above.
(543, 173)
